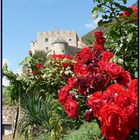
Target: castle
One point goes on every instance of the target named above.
(57, 42)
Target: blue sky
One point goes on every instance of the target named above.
(22, 19)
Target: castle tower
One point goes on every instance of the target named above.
(60, 46)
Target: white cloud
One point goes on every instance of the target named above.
(90, 25)
(93, 24)
(19, 71)
(5, 61)
(5, 82)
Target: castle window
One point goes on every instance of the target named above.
(46, 39)
(70, 39)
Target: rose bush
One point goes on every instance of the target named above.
(102, 90)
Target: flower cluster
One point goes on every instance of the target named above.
(37, 68)
(103, 90)
(134, 12)
(65, 60)
(117, 110)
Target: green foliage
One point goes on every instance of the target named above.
(44, 136)
(8, 95)
(46, 81)
(134, 135)
(87, 131)
(16, 84)
(39, 113)
(43, 117)
(37, 95)
(110, 9)
(122, 40)
(29, 62)
(121, 35)
(40, 56)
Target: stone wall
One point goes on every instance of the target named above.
(9, 118)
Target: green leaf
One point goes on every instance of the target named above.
(105, 16)
(94, 14)
(100, 23)
(101, 9)
(130, 36)
(27, 59)
(107, 0)
(136, 74)
(124, 1)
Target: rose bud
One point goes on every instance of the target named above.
(89, 115)
(30, 53)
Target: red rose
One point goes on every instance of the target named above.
(71, 107)
(81, 85)
(80, 69)
(98, 34)
(84, 55)
(30, 53)
(72, 82)
(134, 10)
(68, 57)
(100, 41)
(35, 72)
(97, 54)
(102, 65)
(129, 104)
(114, 123)
(133, 89)
(110, 134)
(62, 56)
(134, 86)
(133, 120)
(65, 65)
(106, 56)
(112, 116)
(63, 94)
(98, 46)
(113, 70)
(126, 13)
(124, 78)
(96, 102)
(126, 102)
(111, 93)
(59, 56)
(89, 79)
(71, 96)
(39, 66)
